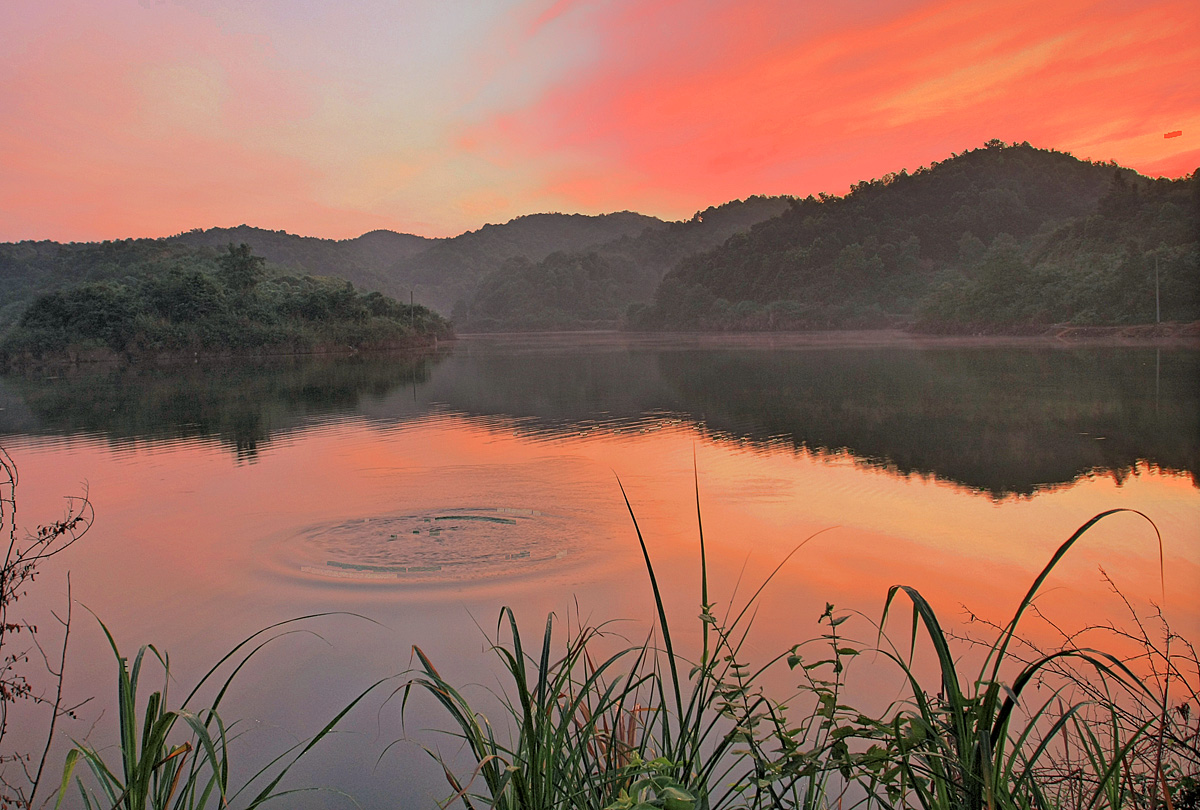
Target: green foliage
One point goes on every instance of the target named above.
(240, 269)
(563, 291)
(224, 304)
(30, 269)
(629, 730)
(442, 272)
(633, 732)
(178, 758)
(449, 271)
(990, 240)
(1134, 259)
(574, 289)
(368, 261)
(574, 740)
(97, 313)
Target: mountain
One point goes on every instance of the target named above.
(438, 271)
(447, 273)
(973, 243)
(595, 288)
(366, 261)
(1003, 238)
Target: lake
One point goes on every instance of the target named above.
(424, 494)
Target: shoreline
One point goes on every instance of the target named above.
(1164, 335)
(100, 357)
(1148, 335)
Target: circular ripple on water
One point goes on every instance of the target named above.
(436, 545)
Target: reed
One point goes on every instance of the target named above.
(647, 727)
(964, 747)
(639, 727)
(178, 758)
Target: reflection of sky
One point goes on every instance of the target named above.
(934, 535)
(149, 118)
(193, 552)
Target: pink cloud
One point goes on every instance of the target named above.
(738, 98)
(143, 119)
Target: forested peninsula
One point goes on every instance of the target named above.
(1003, 239)
(171, 301)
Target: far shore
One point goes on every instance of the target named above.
(101, 357)
(1165, 335)
(1153, 335)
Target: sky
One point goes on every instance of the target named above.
(132, 118)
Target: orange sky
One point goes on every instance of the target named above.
(127, 118)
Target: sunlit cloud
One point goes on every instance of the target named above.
(131, 118)
(816, 107)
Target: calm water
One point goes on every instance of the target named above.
(426, 494)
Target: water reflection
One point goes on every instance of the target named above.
(242, 404)
(998, 420)
(510, 452)
(1002, 420)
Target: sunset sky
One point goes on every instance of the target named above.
(126, 118)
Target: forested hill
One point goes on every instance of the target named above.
(184, 302)
(366, 261)
(595, 287)
(439, 271)
(449, 271)
(1001, 238)
(994, 239)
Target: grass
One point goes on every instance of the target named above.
(644, 726)
(178, 758)
(964, 748)
(629, 729)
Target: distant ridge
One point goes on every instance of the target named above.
(993, 240)
(996, 239)
(363, 260)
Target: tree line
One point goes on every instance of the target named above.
(204, 303)
(998, 238)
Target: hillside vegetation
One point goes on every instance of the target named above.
(1005, 238)
(994, 239)
(368, 261)
(439, 272)
(582, 290)
(497, 277)
(200, 302)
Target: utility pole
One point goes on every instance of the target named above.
(1157, 308)
(412, 310)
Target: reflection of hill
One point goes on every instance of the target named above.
(999, 420)
(241, 404)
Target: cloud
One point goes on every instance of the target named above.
(126, 118)
(709, 101)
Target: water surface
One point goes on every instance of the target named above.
(425, 493)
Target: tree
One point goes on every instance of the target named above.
(240, 269)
